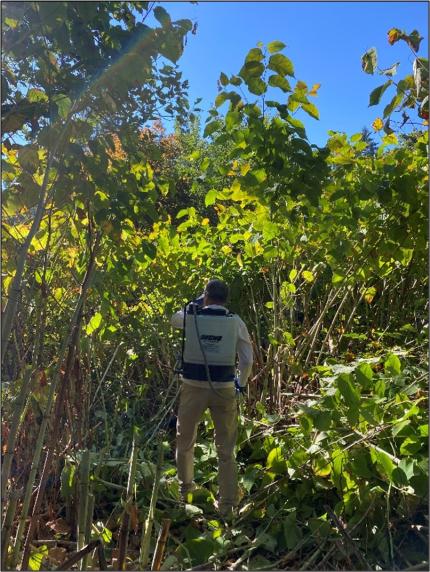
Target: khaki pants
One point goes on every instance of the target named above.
(193, 403)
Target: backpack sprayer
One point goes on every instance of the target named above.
(196, 345)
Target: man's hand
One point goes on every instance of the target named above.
(240, 389)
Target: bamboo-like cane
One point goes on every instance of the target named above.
(15, 424)
(147, 529)
(84, 475)
(74, 324)
(161, 544)
(89, 520)
(123, 533)
(6, 527)
(102, 556)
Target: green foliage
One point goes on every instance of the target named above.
(411, 91)
(325, 250)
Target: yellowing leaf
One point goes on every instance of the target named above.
(94, 323)
(205, 222)
(244, 169)
(321, 467)
(393, 36)
(239, 260)
(369, 294)
(377, 124)
(258, 248)
(308, 276)
(390, 139)
(37, 556)
(315, 88)
(226, 249)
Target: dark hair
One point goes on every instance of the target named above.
(217, 290)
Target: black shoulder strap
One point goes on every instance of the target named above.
(212, 312)
(183, 336)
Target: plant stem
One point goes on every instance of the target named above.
(18, 408)
(161, 544)
(74, 324)
(147, 529)
(123, 533)
(89, 520)
(84, 475)
(7, 526)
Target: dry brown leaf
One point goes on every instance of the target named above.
(59, 526)
(57, 554)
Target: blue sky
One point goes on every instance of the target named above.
(325, 41)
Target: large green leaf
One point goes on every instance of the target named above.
(364, 375)
(250, 477)
(200, 549)
(369, 61)
(298, 126)
(210, 197)
(292, 532)
(232, 119)
(347, 390)
(281, 64)
(63, 104)
(396, 101)
(36, 557)
(162, 16)
(376, 94)
(256, 85)
(28, 158)
(311, 110)
(252, 69)
(254, 55)
(280, 81)
(392, 365)
(94, 323)
(276, 461)
(223, 79)
(212, 127)
(383, 462)
(322, 420)
(275, 46)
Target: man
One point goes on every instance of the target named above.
(213, 337)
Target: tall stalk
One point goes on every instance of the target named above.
(74, 324)
(123, 533)
(149, 522)
(330, 329)
(7, 526)
(84, 475)
(88, 523)
(161, 544)
(15, 424)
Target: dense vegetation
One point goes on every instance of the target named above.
(110, 223)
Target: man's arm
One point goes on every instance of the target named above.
(244, 351)
(177, 320)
